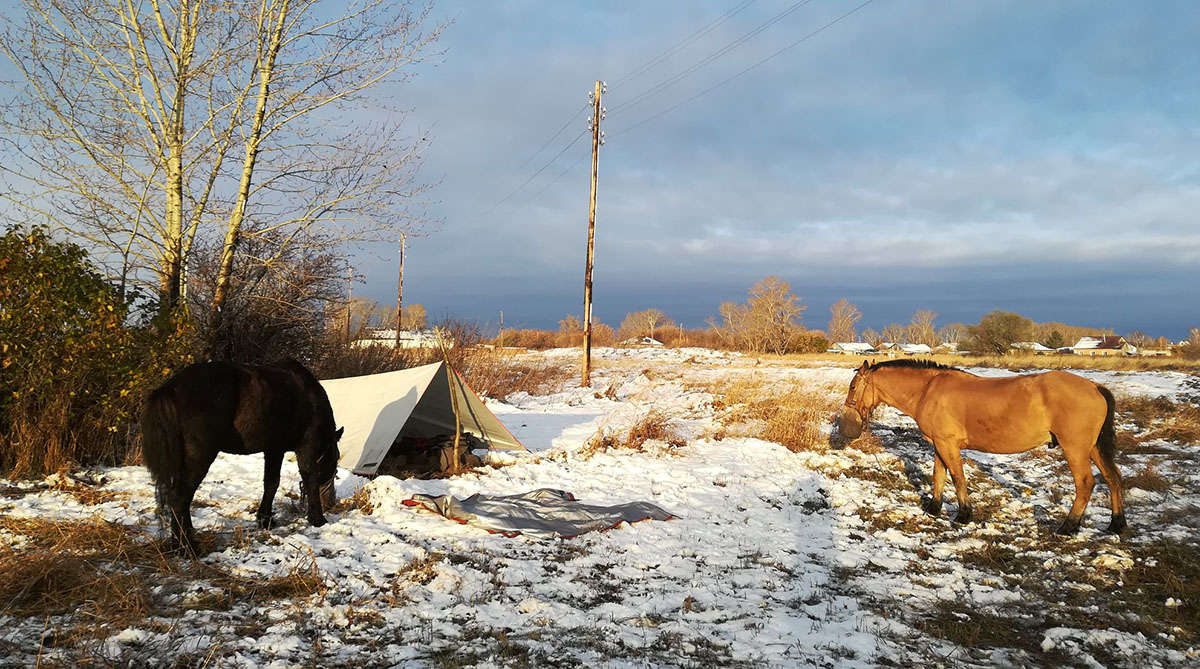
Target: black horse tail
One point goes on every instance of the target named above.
(162, 444)
(1106, 441)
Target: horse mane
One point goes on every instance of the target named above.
(913, 363)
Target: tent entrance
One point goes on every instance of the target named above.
(382, 411)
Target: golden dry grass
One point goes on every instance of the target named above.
(1159, 418)
(70, 566)
(359, 501)
(1148, 478)
(654, 426)
(1018, 361)
(797, 418)
(498, 373)
(106, 577)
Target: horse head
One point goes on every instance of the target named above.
(327, 470)
(860, 401)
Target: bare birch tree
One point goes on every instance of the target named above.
(842, 321)
(639, 323)
(893, 333)
(952, 333)
(920, 329)
(768, 320)
(140, 125)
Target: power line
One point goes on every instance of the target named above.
(671, 81)
(648, 65)
(560, 131)
(551, 182)
(535, 174)
(722, 83)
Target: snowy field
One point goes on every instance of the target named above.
(777, 559)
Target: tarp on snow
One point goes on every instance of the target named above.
(545, 513)
(377, 409)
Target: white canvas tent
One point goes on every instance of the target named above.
(377, 408)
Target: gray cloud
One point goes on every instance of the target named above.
(909, 145)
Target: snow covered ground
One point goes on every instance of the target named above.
(776, 559)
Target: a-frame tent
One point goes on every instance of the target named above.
(377, 409)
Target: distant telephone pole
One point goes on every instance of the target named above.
(400, 293)
(349, 297)
(597, 140)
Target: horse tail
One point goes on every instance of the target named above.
(162, 444)
(1106, 441)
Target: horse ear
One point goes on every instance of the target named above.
(338, 435)
(864, 365)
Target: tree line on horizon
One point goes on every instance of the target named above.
(770, 321)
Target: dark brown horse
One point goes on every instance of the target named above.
(956, 410)
(211, 407)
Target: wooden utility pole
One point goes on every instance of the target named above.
(501, 342)
(349, 296)
(597, 116)
(400, 293)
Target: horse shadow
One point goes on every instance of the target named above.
(915, 453)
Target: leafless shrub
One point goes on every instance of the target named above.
(654, 426)
(498, 374)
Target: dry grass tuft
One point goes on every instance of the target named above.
(105, 577)
(1159, 418)
(1147, 479)
(1162, 571)
(654, 426)
(359, 501)
(796, 418)
(497, 373)
(90, 566)
(971, 628)
(420, 570)
(86, 494)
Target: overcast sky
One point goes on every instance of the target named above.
(1038, 157)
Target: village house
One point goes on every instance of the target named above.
(852, 348)
(1103, 345)
(408, 339)
(1034, 347)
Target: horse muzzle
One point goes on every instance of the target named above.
(328, 495)
(850, 424)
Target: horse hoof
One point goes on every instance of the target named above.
(930, 505)
(1117, 525)
(1068, 527)
(964, 516)
(317, 521)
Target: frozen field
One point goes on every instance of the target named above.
(777, 559)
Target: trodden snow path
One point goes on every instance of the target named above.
(776, 559)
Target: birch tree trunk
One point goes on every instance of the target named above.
(148, 129)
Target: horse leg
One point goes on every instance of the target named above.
(312, 491)
(180, 503)
(952, 456)
(1112, 477)
(1081, 468)
(272, 462)
(312, 487)
(932, 505)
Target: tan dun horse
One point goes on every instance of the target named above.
(956, 410)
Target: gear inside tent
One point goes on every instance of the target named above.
(389, 412)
